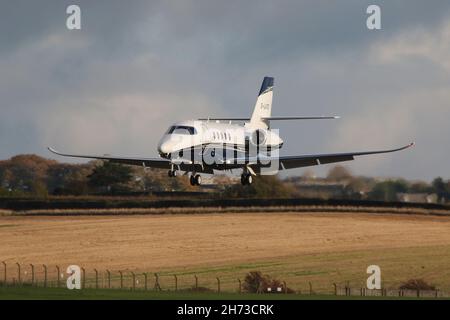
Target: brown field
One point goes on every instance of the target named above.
(320, 248)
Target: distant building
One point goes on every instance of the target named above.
(417, 197)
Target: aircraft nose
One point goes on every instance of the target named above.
(165, 147)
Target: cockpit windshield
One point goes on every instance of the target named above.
(182, 130)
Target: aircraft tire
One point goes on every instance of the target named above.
(172, 173)
(246, 179)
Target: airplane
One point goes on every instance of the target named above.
(249, 145)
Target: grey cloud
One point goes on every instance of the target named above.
(136, 66)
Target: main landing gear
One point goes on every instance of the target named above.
(246, 179)
(172, 173)
(195, 179)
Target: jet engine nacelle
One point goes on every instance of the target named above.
(258, 137)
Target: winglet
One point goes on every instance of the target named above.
(52, 150)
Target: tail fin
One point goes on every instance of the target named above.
(263, 106)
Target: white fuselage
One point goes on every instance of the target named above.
(214, 134)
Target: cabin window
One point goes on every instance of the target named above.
(182, 130)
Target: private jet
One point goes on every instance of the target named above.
(246, 145)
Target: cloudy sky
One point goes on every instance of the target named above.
(137, 66)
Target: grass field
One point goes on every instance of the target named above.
(33, 293)
(321, 248)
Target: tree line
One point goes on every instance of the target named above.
(31, 175)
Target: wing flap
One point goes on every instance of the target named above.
(297, 163)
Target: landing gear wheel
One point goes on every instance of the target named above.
(195, 180)
(246, 179)
(172, 173)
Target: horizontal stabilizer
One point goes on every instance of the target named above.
(300, 118)
(271, 118)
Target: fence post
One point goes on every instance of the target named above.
(4, 275)
(218, 285)
(176, 282)
(109, 278)
(19, 279)
(45, 275)
(121, 279)
(285, 287)
(58, 282)
(145, 281)
(134, 280)
(196, 281)
(83, 271)
(32, 273)
(310, 289)
(240, 286)
(157, 286)
(335, 289)
(96, 278)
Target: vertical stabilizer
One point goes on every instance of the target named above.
(263, 106)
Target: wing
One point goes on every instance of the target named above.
(147, 162)
(290, 162)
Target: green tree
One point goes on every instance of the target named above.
(440, 188)
(420, 187)
(111, 175)
(339, 173)
(39, 189)
(387, 190)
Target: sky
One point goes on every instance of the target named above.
(135, 67)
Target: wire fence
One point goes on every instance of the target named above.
(16, 275)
